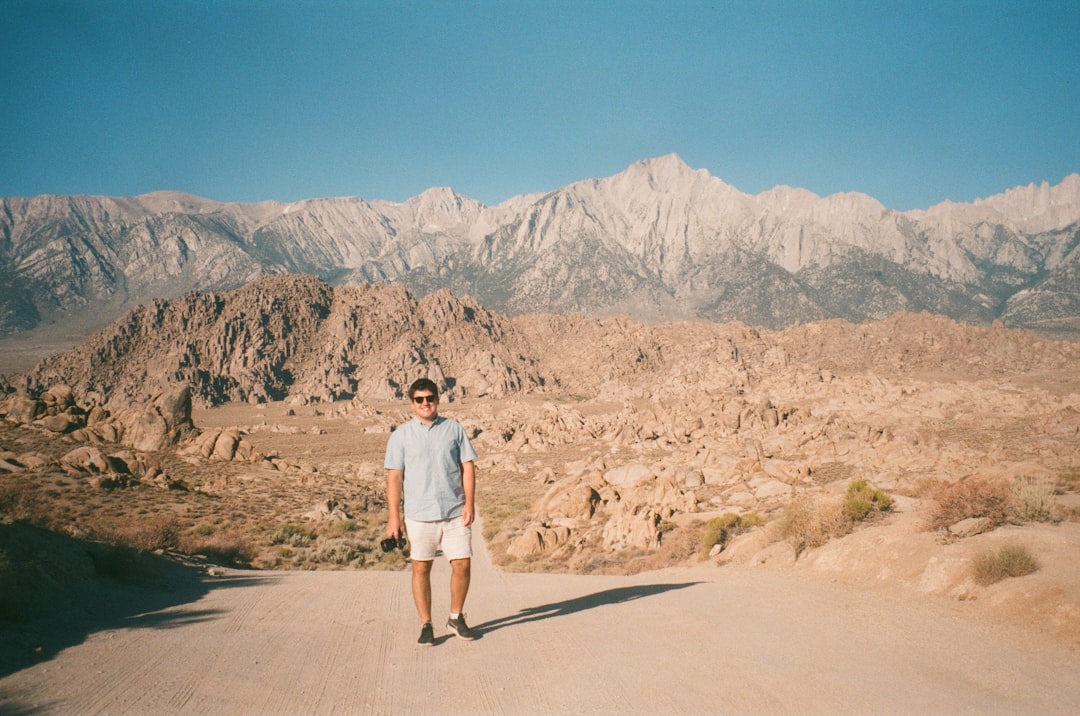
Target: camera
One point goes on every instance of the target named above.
(390, 543)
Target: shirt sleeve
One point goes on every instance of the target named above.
(465, 448)
(395, 452)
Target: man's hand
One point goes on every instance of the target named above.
(393, 527)
(467, 515)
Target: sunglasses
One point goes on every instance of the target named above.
(424, 399)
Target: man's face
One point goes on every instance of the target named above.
(425, 404)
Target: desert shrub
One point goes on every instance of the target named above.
(864, 501)
(292, 535)
(202, 530)
(971, 497)
(145, 535)
(1034, 500)
(342, 527)
(228, 548)
(806, 524)
(20, 502)
(720, 530)
(340, 553)
(1011, 560)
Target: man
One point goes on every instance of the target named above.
(431, 459)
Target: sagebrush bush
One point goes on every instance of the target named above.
(1011, 560)
(1035, 500)
(229, 548)
(292, 535)
(720, 530)
(970, 497)
(155, 533)
(805, 525)
(864, 501)
(340, 553)
(811, 524)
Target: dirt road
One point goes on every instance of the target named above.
(678, 641)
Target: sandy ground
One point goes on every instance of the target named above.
(687, 640)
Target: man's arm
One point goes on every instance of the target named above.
(394, 480)
(468, 484)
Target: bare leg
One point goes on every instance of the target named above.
(459, 584)
(421, 589)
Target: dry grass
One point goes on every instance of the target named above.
(806, 524)
(1011, 560)
(967, 498)
(1002, 501)
(1035, 500)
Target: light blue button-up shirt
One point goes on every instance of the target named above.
(431, 459)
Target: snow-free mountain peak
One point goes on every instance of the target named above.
(658, 240)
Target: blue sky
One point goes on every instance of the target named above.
(910, 102)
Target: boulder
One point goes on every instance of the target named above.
(160, 424)
(627, 475)
(86, 459)
(326, 511)
(971, 526)
(24, 409)
(225, 445)
(59, 423)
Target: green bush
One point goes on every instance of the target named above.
(1012, 560)
(292, 535)
(857, 509)
(864, 501)
(720, 530)
(340, 553)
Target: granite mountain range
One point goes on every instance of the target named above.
(658, 241)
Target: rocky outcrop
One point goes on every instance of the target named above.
(295, 336)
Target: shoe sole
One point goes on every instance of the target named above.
(455, 632)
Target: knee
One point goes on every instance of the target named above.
(461, 566)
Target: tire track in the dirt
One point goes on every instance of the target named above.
(124, 666)
(504, 689)
(345, 658)
(313, 645)
(374, 677)
(256, 603)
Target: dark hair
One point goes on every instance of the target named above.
(423, 384)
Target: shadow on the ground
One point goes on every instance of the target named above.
(55, 591)
(617, 595)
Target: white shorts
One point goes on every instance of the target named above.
(427, 538)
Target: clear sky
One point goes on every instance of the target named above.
(246, 100)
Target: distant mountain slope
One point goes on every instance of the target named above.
(657, 241)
